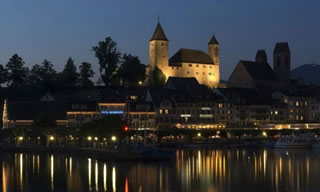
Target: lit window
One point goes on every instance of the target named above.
(160, 111)
(276, 112)
(297, 103)
(220, 105)
(306, 103)
(167, 111)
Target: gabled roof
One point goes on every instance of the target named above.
(241, 95)
(182, 83)
(190, 56)
(213, 41)
(281, 47)
(29, 110)
(159, 34)
(259, 71)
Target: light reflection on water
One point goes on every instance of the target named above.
(192, 170)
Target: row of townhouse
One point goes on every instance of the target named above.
(182, 103)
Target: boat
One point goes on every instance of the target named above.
(295, 141)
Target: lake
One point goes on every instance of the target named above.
(192, 170)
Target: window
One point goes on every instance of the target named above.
(197, 73)
(188, 72)
(204, 73)
(220, 105)
(190, 65)
(210, 67)
(167, 111)
(276, 112)
(204, 66)
(197, 65)
(297, 103)
(160, 111)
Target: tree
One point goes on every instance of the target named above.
(131, 70)
(43, 76)
(3, 75)
(109, 57)
(157, 78)
(86, 73)
(17, 73)
(69, 75)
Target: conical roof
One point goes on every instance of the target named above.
(213, 41)
(159, 34)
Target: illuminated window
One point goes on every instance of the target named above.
(306, 103)
(220, 105)
(301, 118)
(276, 112)
(297, 103)
(291, 110)
(167, 111)
(160, 111)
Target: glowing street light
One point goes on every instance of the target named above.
(264, 134)
(199, 134)
(113, 138)
(20, 138)
(51, 138)
(89, 138)
(140, 82)
(96, 138)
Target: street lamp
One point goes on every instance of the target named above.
(51, 138)
(113, 138)
(89, 138)
(20, 138)
(96, 138)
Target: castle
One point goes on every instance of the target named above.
(186, 62)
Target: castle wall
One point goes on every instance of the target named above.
(205, 74)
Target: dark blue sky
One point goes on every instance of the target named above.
(57, 29)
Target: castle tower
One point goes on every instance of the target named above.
(282, 62)
(213, 50)
(158, 50)
(261, 56)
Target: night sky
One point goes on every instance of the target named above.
(57, 29)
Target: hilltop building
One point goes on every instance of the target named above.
(185, 62)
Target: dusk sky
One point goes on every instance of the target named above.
(57, 29)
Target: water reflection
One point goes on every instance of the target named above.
(193, 170)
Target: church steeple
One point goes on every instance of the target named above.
(159, 34)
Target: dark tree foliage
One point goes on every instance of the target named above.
(3, 75)
(43, 76)
(157, 78)
(105, 127)
(69, 75)
(17, 73)
(131, 70)
(86, 73)
(109, 57)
